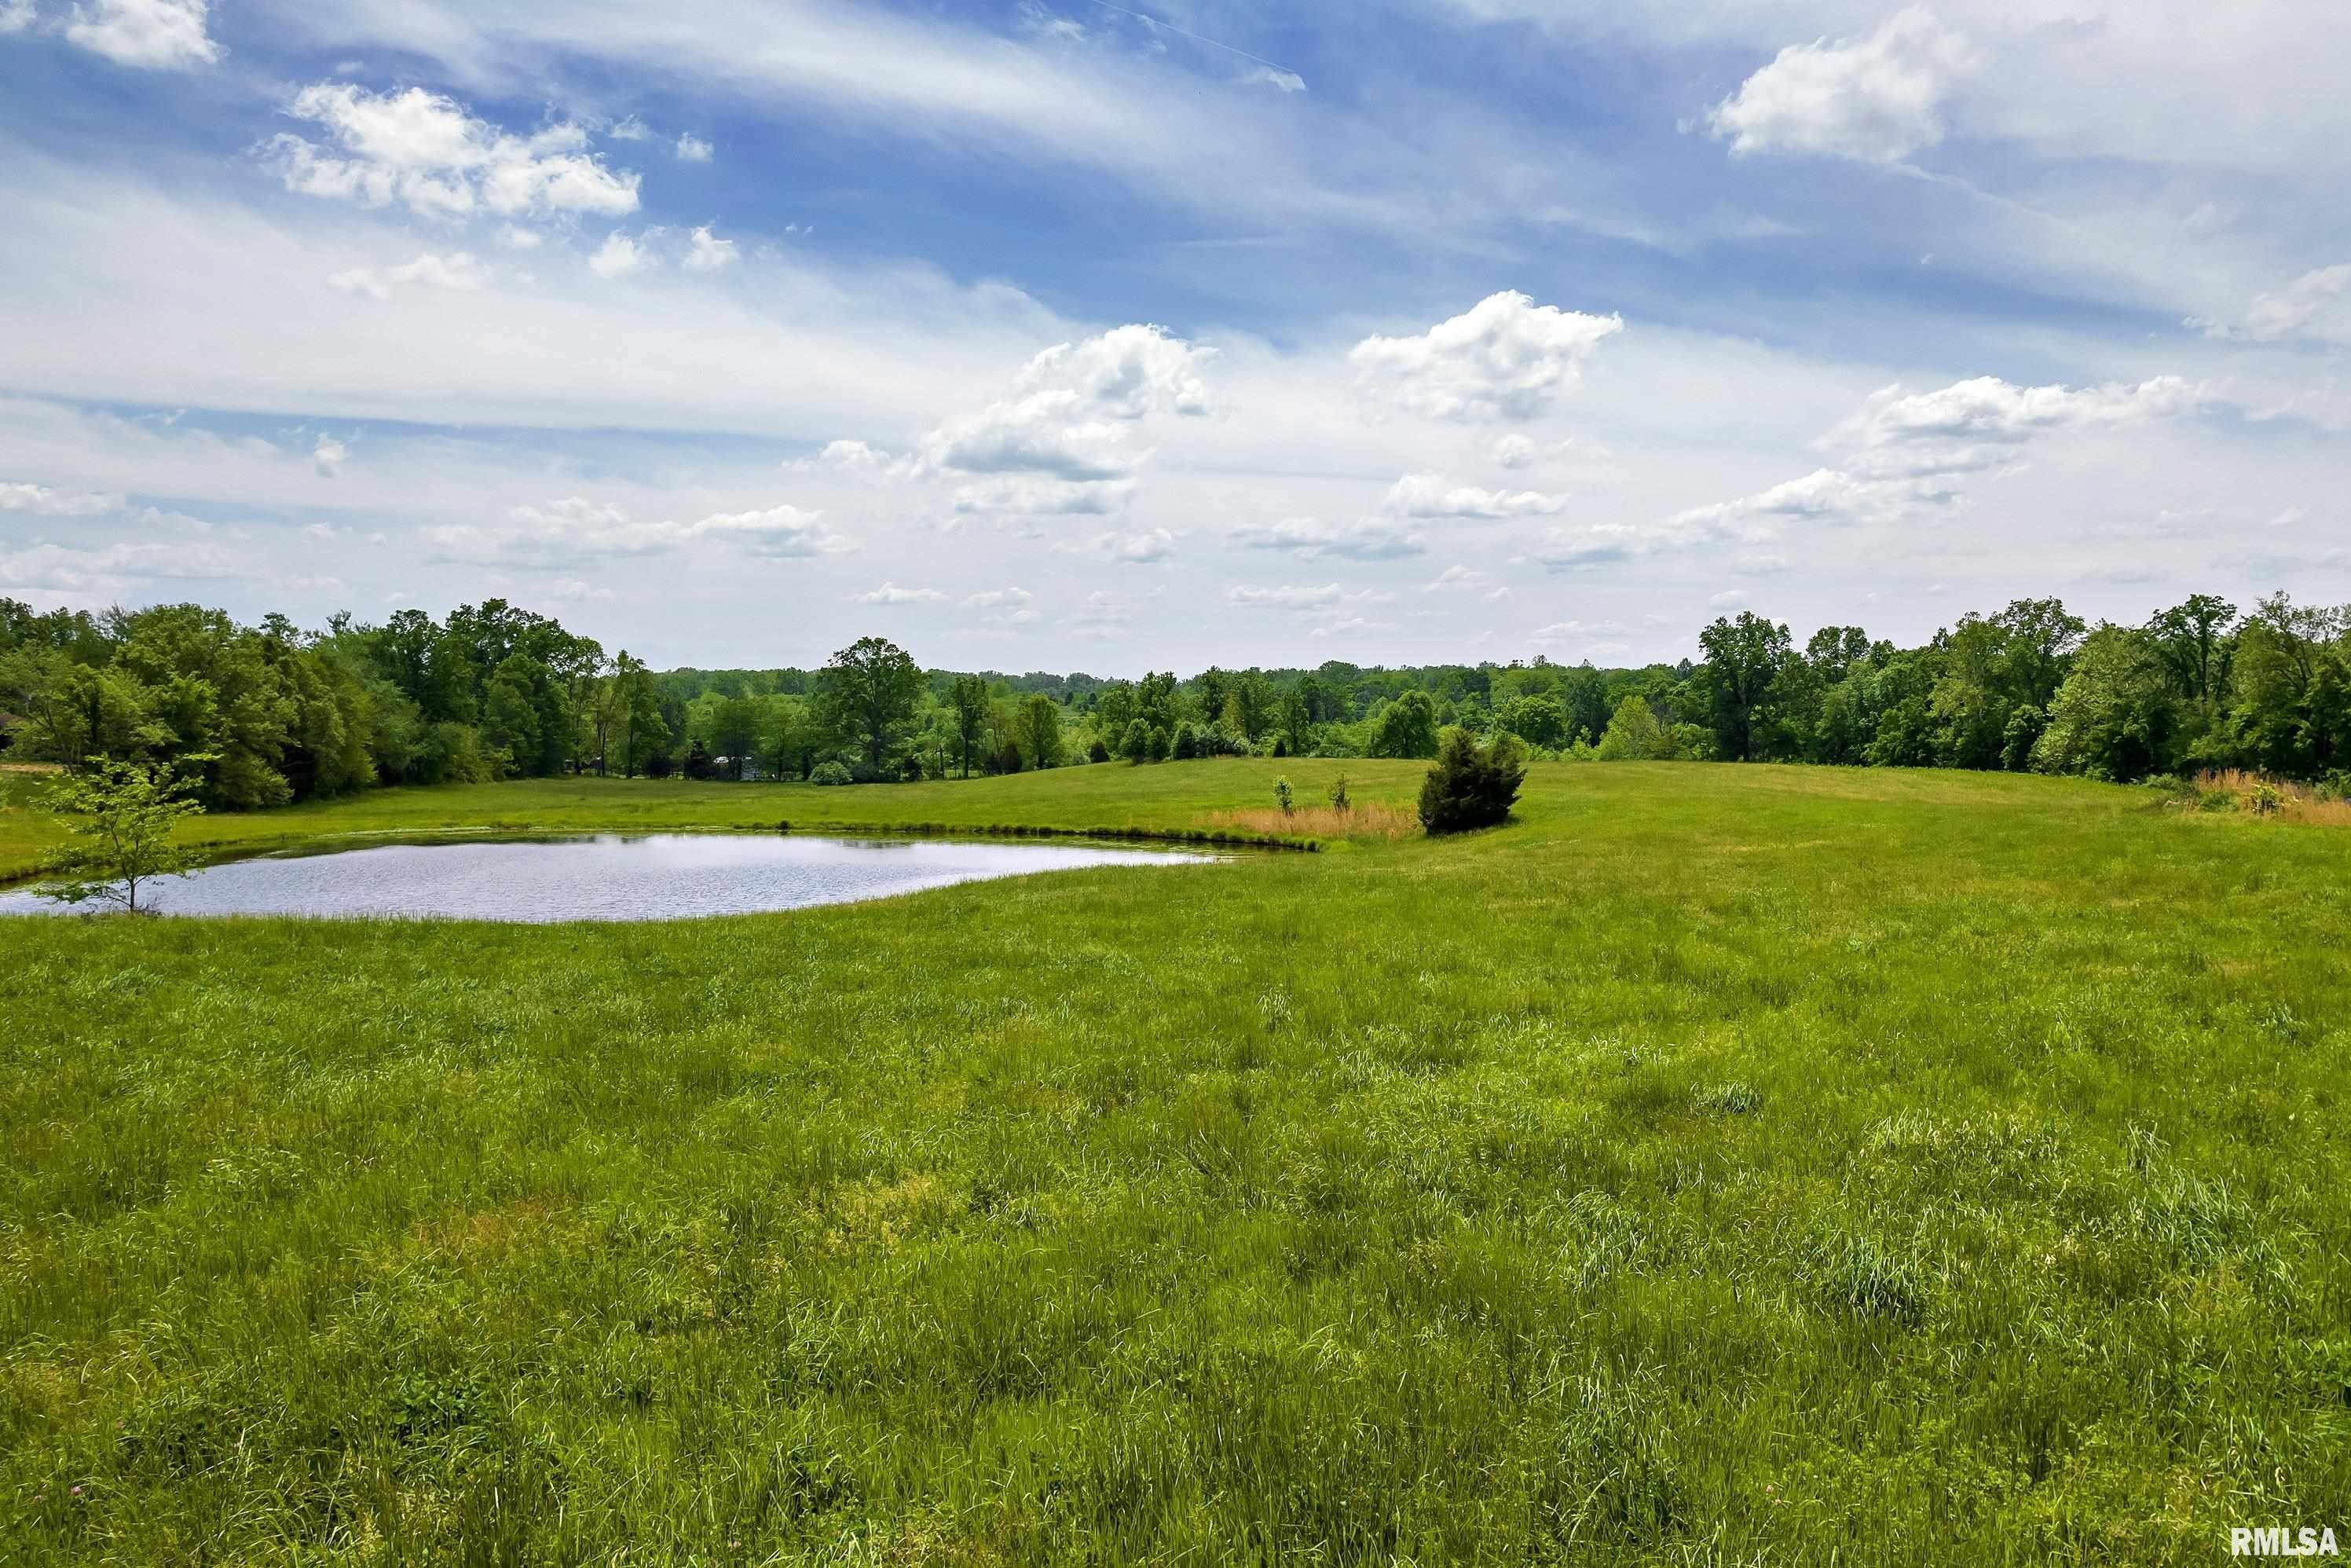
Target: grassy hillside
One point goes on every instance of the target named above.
(1717, 1165)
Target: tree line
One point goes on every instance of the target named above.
(2200, 685)
(260, 716)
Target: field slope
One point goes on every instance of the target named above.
(1717, 1165)
(1174, 801)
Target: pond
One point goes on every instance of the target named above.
(666, 876)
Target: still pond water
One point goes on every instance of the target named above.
(670, 876)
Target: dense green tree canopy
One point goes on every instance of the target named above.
(279, 714)
(1743, 658)
(1406, 727)
(869, 693)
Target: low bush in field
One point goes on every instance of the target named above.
(1472, 786)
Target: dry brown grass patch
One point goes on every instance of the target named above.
(468, 1233)
(2275, 797)
(1364, 819)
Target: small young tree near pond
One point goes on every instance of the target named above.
(119, 817)
(1472, 786)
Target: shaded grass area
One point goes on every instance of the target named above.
(1717, 1165)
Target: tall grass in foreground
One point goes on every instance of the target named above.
(1715, 1165)
(1363, 820)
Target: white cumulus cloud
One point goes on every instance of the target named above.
(783, 531)
(1072, 421)
(112, 568)
(1126, 373)
(1822, 493)
(1311, 538)
(708, 253)
(1505, 358)
(1987, 408)
(426, 152)
(1004, 607)
(458, 270)
(1054, 433)
(1028, 494)
(1513, 451)
(1288, 597)
(44, 502)
(891, 593)
(1877, 99)
(693, 149)
(149, 35)
(327, 457)
(618, 256)
(1905, 450)
(1428, 496)
(854, 457)
(1137, 547)
(572, 591)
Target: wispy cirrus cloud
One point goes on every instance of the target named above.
(891, 593)
(572, 531)
(1903, 452)
(1312, 538)
(41, 500)
(458, 270)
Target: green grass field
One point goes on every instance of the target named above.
(1114, 797)
(1715, 1166)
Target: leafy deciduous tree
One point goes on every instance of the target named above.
(1408, 727)
(969, 697)
(1743, 658)
(120, 818)
(868, 692)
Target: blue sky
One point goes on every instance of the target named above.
(1080, 336)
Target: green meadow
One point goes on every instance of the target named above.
(1172, 802)
(1716, 1164)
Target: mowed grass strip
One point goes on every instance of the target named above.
(1717, 1165)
